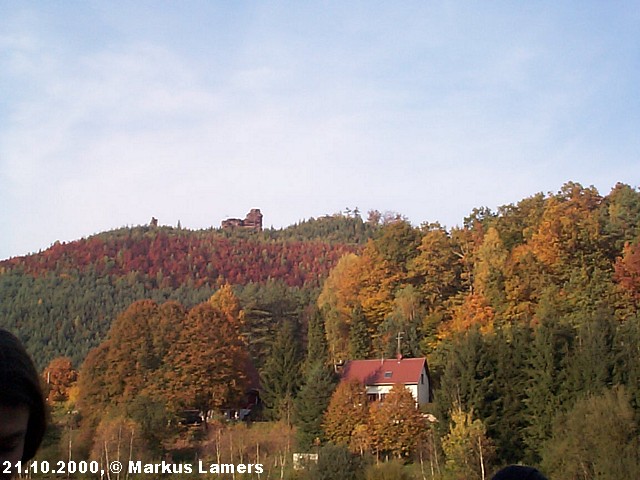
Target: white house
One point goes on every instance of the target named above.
(379, 376)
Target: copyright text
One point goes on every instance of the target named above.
(200, 467)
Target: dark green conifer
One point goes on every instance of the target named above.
(311, 403)
(590, 366)
(546, 392)
(626, 369)
(359, 339)
(512, 347)
(469, 378)
(280, 376)
(316, 341)
(319, 383)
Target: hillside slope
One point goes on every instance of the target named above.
(62, 300)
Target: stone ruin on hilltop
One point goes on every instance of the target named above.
(253, 221)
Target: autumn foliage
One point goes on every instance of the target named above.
(192, 359)
(627, 270)
(59, 377)
(173, 258)
(348, 409)
(391, 428)
(528, 316)
(575, 249)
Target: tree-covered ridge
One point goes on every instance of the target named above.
(345, 227)
(571, 254)
(172, 257)
(62, 301)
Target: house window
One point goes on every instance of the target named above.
(388, 374)
(422, 378)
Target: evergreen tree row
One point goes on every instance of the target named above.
(525, 382)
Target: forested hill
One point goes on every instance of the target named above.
(295, 255)
(569, 255)
(62, 300)
(529, 317)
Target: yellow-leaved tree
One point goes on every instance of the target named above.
(337, 301)
(468, 450)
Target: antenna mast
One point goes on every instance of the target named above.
(399, 337)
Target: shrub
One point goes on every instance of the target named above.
(335, 462)
(394, 470)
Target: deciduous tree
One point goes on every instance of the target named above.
(396, 425)
(209, 361)
(436, 269)
(468, 450)
(596, 439)
(347, 410)
(337, 300)
(59, 377)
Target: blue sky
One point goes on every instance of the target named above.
(195, 111)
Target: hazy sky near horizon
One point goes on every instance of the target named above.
(195, 111)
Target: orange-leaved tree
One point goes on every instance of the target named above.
(396, 425)
(208, 361)
(347, 410)
(59, 377)
(627, 270)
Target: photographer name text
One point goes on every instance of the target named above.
(134, 467)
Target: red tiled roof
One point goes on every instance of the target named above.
(384, 372)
